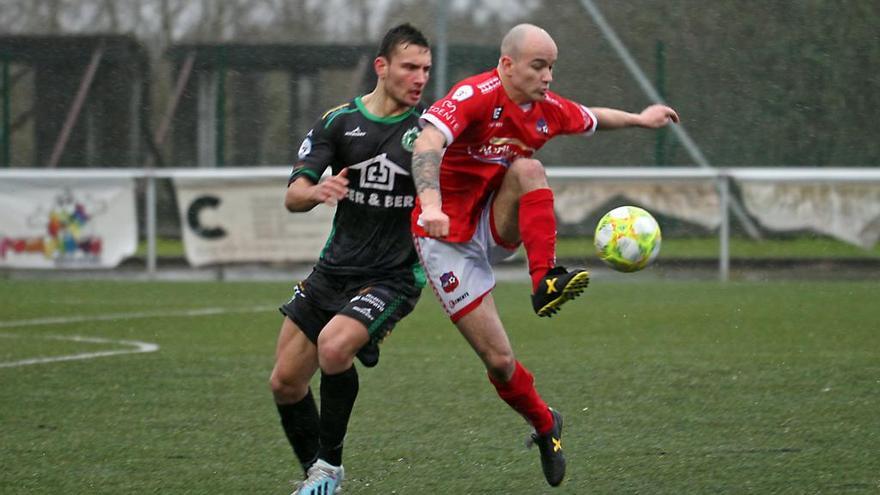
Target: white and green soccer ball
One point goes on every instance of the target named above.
(627, 239)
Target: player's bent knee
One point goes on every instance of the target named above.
(500, 366)
(334, 358)
(287, 389)
(528, 170)
(275, 383)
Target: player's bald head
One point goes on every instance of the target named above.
(525, 66)
(524, 35)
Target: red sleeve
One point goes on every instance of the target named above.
(574, 118)
(463, 105)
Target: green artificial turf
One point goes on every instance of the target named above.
(666, 388)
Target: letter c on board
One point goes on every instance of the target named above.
(192, 217)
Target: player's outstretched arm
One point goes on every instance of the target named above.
(427, 153)
(653, 117)
(303, 195)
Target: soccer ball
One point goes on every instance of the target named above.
(627, 239)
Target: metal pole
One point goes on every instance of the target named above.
(6, 129)
(221, 107)
(442, 65)
(78, 101)
(724, 229)
(171, 108)
(206, 135)
(660, 139)
(693, 150)
(151, 223)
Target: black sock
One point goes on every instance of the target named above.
(301, 424)
(338, 393)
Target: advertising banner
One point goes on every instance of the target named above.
(64, 222)
(849, 212)
(237, 220)
(696, 202)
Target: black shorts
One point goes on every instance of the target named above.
(378, 304)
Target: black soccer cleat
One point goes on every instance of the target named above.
(558, 286)
(550, 448)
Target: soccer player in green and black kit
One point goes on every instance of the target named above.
(368, 276)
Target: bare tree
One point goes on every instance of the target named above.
(110, 12)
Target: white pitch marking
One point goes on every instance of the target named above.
(138, 347)
(60, 320)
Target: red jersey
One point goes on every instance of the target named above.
(485, 132)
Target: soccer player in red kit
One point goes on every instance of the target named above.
(484, 195)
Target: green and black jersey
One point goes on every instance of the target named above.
(371, 229)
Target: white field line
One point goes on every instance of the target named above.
(61, 320)
(134, 346)
(137, 347)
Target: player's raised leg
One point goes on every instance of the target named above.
(523, 210)
(296, 360)
(514, 383)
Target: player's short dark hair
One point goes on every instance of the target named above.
(404, 34)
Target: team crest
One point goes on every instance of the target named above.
(409, 139)
(542, 126)
(449, 282)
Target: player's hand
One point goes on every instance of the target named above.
(331, 190)
(434, 221)
(657, 116)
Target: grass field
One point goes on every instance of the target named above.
(667, 388)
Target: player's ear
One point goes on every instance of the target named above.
(504, 64)
(380, 65)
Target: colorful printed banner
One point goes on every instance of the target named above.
(66, 222)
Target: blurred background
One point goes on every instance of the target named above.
(756, 83)
(237, 83)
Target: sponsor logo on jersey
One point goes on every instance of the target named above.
(356, 132)
(365, 297)
(445, 111)
(381, 200)
(542, 126)
(378, 172)
(501, 150)
(449, 282)
(409, 138)
(306, 147)
(367, 303)
(506, 141)
(453, 303)
(463, 93)
(364, 311)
